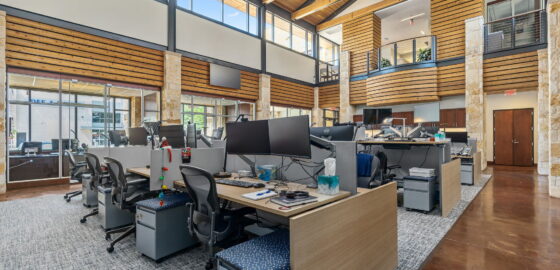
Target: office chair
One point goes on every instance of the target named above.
(98, 177)
(126, 191)
(210, 223)
(77, 169)
(381, 173)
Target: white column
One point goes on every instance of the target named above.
(171, 92)
(263, 103)
(553, 16)
(316, 113)
(346, 110)
(543, 115)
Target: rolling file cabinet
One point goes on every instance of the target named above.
(111, 217)
(467, 176)
(89, 193)
(419, 193)
(162, 230)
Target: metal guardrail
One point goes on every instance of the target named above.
(521, 30)
(329, 71)
(405, 52)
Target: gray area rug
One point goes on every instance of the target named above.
(45, 233)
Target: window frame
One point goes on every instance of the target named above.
(335, 119)
(308, 32)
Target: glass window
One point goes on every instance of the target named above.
(310, 48)
(186, 4)
(269, 34)
(235, 13)
(282, 31)
(330, 117)
(253, 19)
(209, 8)
(299, 36)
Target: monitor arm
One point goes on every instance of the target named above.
(249, 162)
(322, 143)
(205, 140)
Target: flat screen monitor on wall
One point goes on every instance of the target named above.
(225, 76)
(376, 116)
(428, 112)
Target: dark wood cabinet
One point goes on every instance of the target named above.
(452, 118)
(409, 116)
(461, 117)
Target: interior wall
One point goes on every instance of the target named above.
(287, 63)
(453, 102)
(206, 38)
(523, 100)
(147, 22)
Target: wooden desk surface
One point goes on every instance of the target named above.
(462, 156)
(401, 142)
(143, 171)
(233, 193)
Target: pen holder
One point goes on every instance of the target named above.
(328, 185)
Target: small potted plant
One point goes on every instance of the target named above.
(424, 54)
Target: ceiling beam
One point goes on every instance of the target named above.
(267, 1)
(312, 8)
(358, 13)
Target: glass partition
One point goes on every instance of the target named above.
(405, 52)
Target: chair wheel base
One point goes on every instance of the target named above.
(67, 199)
(107, 237)
(110, 249)
(209, 266)
(83, 220)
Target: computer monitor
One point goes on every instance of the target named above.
(458, 137)
(66, 144)
(248, 138)
(337, 133)
(376, 116)
(217, 133)
(138, 136)
(175, 135)
(191, 135)
(118, 137)
(290, 136)
(426, 112)
(31, 147)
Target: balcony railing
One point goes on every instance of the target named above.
(513, 32)
(405, 52)
(328, 71)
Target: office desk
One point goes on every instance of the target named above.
(42, 166)
(233, 193)
(471, 168)
(375, 142)
(142, 171)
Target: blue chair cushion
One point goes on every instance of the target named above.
(364, 164)
(270, 252)
(169, 201)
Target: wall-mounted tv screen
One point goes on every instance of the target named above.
(225, 76)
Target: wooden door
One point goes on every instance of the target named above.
(461, 118)
(503, 137)
(523, 137)
(513, 137)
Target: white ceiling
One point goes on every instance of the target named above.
(394, 29)
(333, 33)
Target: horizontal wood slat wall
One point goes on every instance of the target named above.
(359, 36)
(40, 46)
(518, 71)
(195, 77)
(358, 92)
(329, 96)
(407, 86)
(290, 94)
(448, 24)
(451, 80)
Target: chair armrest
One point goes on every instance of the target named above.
(394, 166)
(136, 181)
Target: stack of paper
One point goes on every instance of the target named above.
(422, 172)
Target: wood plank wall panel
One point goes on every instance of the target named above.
(358, 92)
(195, 77)
(407, 86)
(285, 93)
(40, 46)
(448, 24)
(451, 80)
(518, 71)
(359, 36)
(329, 96)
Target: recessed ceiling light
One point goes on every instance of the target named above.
(422, 32)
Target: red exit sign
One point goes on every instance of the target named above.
(511, 92)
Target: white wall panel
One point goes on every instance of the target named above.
(287, 63)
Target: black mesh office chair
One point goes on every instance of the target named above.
(126, 191)
(209, 222)
(77, 169)
(98, 177)
(381, 172)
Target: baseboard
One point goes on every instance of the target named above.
(39, 183)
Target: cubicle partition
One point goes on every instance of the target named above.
(129, 156)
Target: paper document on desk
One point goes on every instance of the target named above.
(258, 195)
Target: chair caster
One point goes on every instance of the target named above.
(65, 197)
(68, 200)
(110, 249)
(107, 237)
(209, 266)
(83, 220)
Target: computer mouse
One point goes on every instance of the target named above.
(258, 185)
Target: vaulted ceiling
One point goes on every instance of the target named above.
(315, 17)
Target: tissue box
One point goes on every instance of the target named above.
(328, 185)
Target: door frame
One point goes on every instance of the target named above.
(532, 133)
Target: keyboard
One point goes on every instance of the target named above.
(236, 183)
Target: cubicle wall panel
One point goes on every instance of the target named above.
(359, 36)
(287, 93)
(195, 77)
(329, 96)
(44, 47)
(513, 72)
(407, 86)
(358, 92)
(451, 80)
(448, 24)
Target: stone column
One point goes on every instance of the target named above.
(3, 141)
(171, 92)
(543, 114)
(316, 112)
(263, 103)
(474, 90)
(136, 112)
(553, 14)
(346, 110)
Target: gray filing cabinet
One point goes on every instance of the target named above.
(467, 175)
(89, 194)
(161, 230)
(110, 216)
(419, 193)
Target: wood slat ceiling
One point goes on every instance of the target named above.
(315, 18)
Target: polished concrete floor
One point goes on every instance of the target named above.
(512, 224)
